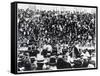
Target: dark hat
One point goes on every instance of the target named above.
(52, 61)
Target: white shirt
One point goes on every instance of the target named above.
(53, 68)
(48, 47)
(86, 55)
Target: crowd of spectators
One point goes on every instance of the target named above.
(47, 39)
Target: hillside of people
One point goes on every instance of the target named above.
(55, 40)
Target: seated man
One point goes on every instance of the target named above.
(52, 63)
(62, 64)
(77, 63)
(85, 54)
(40, 61)
(27, 64)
